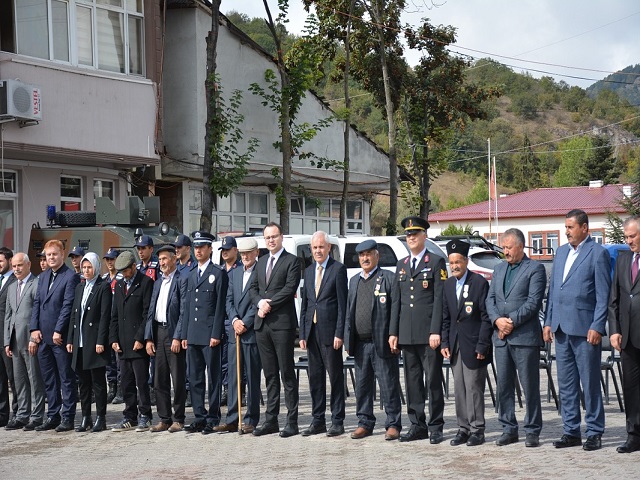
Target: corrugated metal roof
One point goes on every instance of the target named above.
(542, 202)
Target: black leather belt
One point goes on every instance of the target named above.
(162, 324)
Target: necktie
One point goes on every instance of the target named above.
(634, 268)
(199, 275)
(270, 267)
(18, 291)
(53, 277)
(413, 265)
(1, 281)
(318, 282)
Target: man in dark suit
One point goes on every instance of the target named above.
(324, 302)
(28, 379)
(131, 299)
(6, 365)
(273, 291)
(416, 324)
(201, 330)
(577, 309)
(163, 341)
(466, 341)
(624, 329)
(49, 327)
(513, 304)
(241, 313)
(366, 337)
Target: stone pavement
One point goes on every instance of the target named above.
(109, 455)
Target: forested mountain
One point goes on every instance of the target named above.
(542, 132)
(625, 83)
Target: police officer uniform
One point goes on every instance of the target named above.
(417, 316)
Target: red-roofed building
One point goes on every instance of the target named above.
(540, 214)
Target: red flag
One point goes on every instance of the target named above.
(492, 184)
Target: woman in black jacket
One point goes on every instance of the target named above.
(88, 341)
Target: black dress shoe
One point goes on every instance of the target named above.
(266, 429)
(208, 429)
(49, 424)
(436, 437)
(85, 425)
(31, 426)
(506, 439)
(594, 442)
(335, 430)
(14, 424)
(66, 425)
(314, 429)
(195, 427)
(415, 433)
(289, 430)
(460, 438)
(628, 447)
(568, 441)
(4, 422)
(532, 440)
(100, 425)
(475, 439)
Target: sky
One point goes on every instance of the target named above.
(544, 37)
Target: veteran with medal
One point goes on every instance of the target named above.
(416, 323)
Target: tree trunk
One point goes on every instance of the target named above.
(285, 205)
(425, 180)
(393, 161)
(347, 129)
(210, 87)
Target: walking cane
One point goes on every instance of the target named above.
(238, 370)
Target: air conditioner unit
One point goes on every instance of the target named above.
(20, 100)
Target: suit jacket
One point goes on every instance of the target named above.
(381, 307)
(129, 315)
(418, 314)
(3, 298)
(204, 313)
(239, 305)
(95, 326)
(624, 302)
(52, 306)
(175, 306)
(281, 289)
(466, 322)
(522, 303)
(580, 302)
(329, 306)
(17, 320)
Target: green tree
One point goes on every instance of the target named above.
(527, 169)
(600, 163)
(572, 154)
(452, 229)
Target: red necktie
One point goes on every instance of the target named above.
(634, 268)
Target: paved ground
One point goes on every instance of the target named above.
(109, 455)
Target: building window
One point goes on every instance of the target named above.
(70, 193)
(597, 235)
(102, 188)
(103, 34)
(543, 244)
(324, 215)
(8, 196)
(240, 212)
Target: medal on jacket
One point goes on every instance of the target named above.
(426, 258)
(425, 282)
(465, 292)
(468, 307)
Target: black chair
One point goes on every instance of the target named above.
(546, 363)
(607, 369)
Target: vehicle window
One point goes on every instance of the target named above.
(263, 252)
(304, 253)
(387, 256)
(335, 252)
(486, 259)
(350, 256)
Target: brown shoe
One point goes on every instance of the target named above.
(247, 428)
(226, 427)
(176, 427)
(360, 432)
(392, 434)
(160, 427)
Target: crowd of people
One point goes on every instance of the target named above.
(191, 332)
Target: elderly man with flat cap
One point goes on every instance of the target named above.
(366, 337)
(466, 341)
(131, 299)
(241, 313)
(416, 324)
(201, 331)
(163, 341)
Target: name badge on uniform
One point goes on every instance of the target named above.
(468, 307)
(212, 277)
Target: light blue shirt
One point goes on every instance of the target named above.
(460, 284)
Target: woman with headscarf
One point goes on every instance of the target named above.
(88, 341)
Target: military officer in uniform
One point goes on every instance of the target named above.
(416, 323)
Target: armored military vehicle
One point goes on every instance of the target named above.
(105, 228)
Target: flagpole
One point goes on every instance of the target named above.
(489, 178)
(495, 190)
